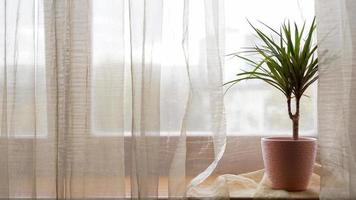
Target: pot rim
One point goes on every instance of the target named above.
(288, 139)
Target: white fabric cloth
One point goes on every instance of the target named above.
(253, 185)
(337, 97)
(190, 55)
(93, 91)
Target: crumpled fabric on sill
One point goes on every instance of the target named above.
(254, 185)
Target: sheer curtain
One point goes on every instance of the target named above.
(176, 66)
(337, 98)
(107, 98)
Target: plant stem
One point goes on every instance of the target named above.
(294, 117)
(295, 127)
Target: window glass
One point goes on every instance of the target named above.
(252, 107)
(22, 69)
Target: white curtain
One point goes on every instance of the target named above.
(337, 97)
(108, 99)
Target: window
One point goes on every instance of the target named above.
(25, 57)
(263, 111)
(110, 59)
(252, 108)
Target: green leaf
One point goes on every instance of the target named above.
(290, 65)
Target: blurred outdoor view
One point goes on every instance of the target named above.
(23, 99)
(252, 107)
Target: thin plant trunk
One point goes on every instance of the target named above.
(295, 128)
(294, 117)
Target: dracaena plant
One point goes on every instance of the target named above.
(287, 61)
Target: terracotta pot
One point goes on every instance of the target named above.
(288, 162)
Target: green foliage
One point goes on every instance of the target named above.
(288, 60)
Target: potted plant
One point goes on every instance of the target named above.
(288, 62)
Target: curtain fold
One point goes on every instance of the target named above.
(69, 76)
(199, 68)
(109, 99)
(48, 144)
(22, 79)
(336, 98)
(145, 34)
(213, 74)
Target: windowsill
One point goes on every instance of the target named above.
(162, 191)
(243, 154)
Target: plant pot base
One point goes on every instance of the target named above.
(288, 162)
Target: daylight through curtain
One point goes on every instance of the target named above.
(337, 97)
(109, 99)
